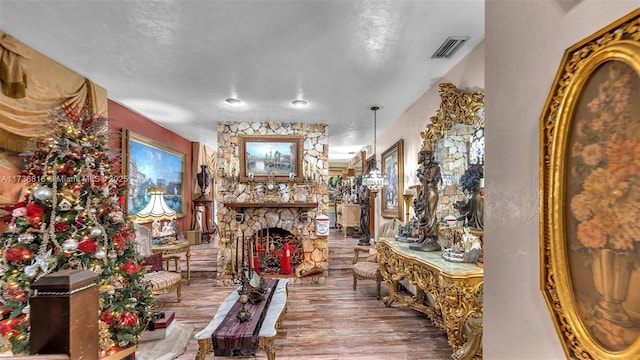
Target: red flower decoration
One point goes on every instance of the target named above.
(18, 254)
(118, 241)
(106, 317)
(59, 227)
(87, 246)
(14, 293)
(8, 326)
(130, 267)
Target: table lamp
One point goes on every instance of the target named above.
(157, 209)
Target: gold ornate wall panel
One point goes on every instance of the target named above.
(449, 293)
(590, 196)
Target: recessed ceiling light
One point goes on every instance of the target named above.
(299, 104)
(233, 102)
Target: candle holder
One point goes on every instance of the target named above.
(250, 185)
(243, 314)
(408, 197)
(291, 191)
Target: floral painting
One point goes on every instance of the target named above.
(603, 194)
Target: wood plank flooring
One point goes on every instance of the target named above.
(324, 321)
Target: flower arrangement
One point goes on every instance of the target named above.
(605, 195)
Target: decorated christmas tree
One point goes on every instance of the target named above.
(70, 218)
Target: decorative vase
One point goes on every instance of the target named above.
(203, 177)
(611, 276)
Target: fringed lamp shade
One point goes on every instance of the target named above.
(157, 208)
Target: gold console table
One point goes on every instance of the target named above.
(449, 293)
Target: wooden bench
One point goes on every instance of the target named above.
(268, 330)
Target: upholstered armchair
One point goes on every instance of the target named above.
(365, 260)
(158, 277)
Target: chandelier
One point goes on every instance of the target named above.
(373, 180)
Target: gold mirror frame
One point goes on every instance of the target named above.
(578, 138)
(456, 107)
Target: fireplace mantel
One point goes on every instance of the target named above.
(245, 205)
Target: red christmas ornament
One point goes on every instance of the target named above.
(127, 319)
(34, 213)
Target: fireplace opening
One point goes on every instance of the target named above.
(270, 245)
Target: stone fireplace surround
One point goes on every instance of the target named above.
(298, 219)
(230, 194)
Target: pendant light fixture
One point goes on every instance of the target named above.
(373, 180)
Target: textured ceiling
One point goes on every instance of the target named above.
(177, 61)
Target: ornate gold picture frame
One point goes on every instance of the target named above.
(148, 164)
(393, 171)
(280, 155)
(590, 198)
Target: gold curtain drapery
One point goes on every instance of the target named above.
(23, 116)
(13, 77)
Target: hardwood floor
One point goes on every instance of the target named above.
(325, 321)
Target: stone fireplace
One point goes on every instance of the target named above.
(241, 211)
(272, 225)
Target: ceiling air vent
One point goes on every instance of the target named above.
(449, 47)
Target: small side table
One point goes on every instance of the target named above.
(181, 246)
(208, 228)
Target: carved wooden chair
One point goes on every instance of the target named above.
(366, 267)
(158, 277)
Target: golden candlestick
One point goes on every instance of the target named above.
(408, 197)
(250, 184)
(291, 192)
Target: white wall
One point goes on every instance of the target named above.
(525, 42)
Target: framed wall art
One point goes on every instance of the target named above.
(149, 164)
(393, 171)
(280, 155)
(590, 198)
